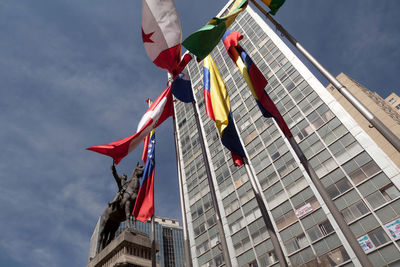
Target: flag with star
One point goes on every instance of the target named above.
(144, 205)
(162, 34)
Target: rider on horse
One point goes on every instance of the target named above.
(122, 183)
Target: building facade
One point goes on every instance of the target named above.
(386, 110)
(360, 178)
(169, 236)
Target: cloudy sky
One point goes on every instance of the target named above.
(75, 74)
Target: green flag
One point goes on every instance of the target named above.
(274, 5)
(203, 41)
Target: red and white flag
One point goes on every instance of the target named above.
(162, 33)
(158, 112)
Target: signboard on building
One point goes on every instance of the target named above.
(300, 212)
(366, 243)
(394, 228)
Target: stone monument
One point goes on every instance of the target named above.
(131, 248)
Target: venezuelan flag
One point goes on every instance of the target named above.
(203, 41)
(218, 108)
(254, 78)
(274, 5)
(144, 205)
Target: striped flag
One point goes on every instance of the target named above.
(144, 204)
(203, 41)
(254, 78)
(157, 113)
(218, 108)
(161, 33)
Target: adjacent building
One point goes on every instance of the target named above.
(170, 237)
(386, 110)
(360, 177)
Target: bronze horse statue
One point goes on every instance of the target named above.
(120, 209)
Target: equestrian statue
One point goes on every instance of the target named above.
(121, 207)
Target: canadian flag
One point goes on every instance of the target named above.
(158, 112)
(161, 33)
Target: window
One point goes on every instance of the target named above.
(392, 100)
(398, 107)
(338, 188)
(378, 237)
(268, 258)
(354, 211)
(367, 169)
(320, 230)
(335, 257)
(382, 196)
(296, 243)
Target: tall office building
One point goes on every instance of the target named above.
(386, 110)
(169, 236)
(360, 178)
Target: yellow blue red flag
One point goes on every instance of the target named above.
(218, 108)
(254, 78)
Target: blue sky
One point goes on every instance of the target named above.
(75, 74)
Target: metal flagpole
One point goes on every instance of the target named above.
(261, 205)
(153, 243)
(386, 132)
(188, 259)
(220, 227)
(153, 228)
(271, 231)
(362, 257)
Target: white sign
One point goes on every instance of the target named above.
(366, 243)
(394, 228)
(300, 212)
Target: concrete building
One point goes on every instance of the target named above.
(386, 110)
(360, 178)
(130, 248)
(169, 236)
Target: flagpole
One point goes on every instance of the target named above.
(375, 122)
(153, 243)
(220, 227)
(261, 205)
(188, 260)
(153, 228)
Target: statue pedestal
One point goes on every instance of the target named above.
(131, 248)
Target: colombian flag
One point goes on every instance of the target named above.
(203, 41)
(144, 205)
(254, 78)
(218, 108)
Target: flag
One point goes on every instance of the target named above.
(218, 108)
(203, 41)
(161, 33)
(182, 88)
(254, 78)
(144, 204)
(274, 5)
(158, 112)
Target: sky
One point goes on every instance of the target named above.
(75, 74)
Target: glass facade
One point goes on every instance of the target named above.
(170, 239)
(361, 180)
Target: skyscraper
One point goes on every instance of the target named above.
(360, 178)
